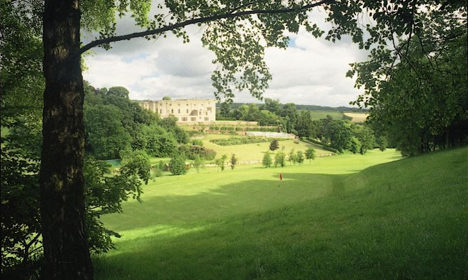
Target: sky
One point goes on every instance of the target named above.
(310, 71)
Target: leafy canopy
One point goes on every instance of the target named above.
(239, 31)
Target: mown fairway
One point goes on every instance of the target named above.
(342, 217)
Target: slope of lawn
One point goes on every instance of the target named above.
(252, 152)
(322, 114)
(341, 217)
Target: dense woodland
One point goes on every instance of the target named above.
(54, 193)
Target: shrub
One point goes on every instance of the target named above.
(202, 152)
(280, 159)
(300, 157)
(177, 165)
(274, 145)
(197, 142)
(266, 161)
(310, 154)
(292, 157)
(221, 161)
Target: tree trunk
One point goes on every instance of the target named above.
(66, 251)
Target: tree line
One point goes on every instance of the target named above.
(339, 135)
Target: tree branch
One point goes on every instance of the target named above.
(240, 7)
(175, 26)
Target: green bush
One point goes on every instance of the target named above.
(280, 159)
(177, 165)
(274, 145)
(202, 152)
(266, 161)
(241, 140)
(197, 142)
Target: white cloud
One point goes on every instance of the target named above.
(313, 72)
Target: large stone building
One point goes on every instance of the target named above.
(185, 110)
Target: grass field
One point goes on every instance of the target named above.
(357, 117)
(322, 114)
(341, 217)
(252, 152)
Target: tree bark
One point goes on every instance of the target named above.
(66, 251)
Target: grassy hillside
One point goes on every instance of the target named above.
(249, 152)
(342, 217)
(357, 117)
(322, 114)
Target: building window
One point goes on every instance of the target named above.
(172, 111)
(207, 119)
(208, 108)
(206, 113)
(193, 119)
(184, 119)
(160, 111)
(187, 111)
(179, 111)
(200, 113)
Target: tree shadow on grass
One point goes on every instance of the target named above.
(234, 232)
(228, 200)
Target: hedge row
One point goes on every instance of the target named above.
(242, 128)
(324, 146)
(242, 140)
(192, 151)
